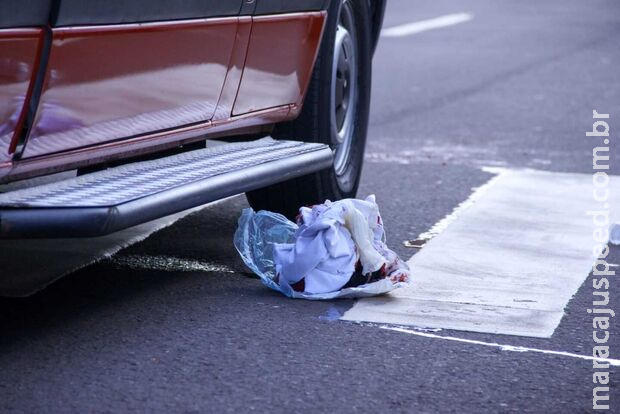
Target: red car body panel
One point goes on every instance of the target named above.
(145, 144)
(112, 92)
(279, 61)
(235, 70)
(106, 83)
(19, 54)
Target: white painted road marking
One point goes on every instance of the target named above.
(424, 25)
(167, 264)
(509, 264)
(511, 348)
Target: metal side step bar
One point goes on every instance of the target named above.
(117, 198)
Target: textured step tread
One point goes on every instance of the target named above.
(133, 181)
(117, 198)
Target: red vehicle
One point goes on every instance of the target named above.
(127, 92)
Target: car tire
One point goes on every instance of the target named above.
(335, 112)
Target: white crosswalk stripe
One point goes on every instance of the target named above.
(508, 264)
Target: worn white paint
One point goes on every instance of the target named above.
(425, 25)
(510, 348)
(167, 264)
(508, 264)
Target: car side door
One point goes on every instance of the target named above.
(115, 69)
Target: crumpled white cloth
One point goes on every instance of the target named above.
(331, 243)
(331, 239)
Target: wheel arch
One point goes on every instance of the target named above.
(377, 8)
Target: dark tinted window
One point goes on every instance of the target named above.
(24, 13)
(84, 12)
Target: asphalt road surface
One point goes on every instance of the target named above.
(175, 323)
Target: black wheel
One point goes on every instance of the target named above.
(335, 112)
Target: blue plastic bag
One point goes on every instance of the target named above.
(255, 238)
